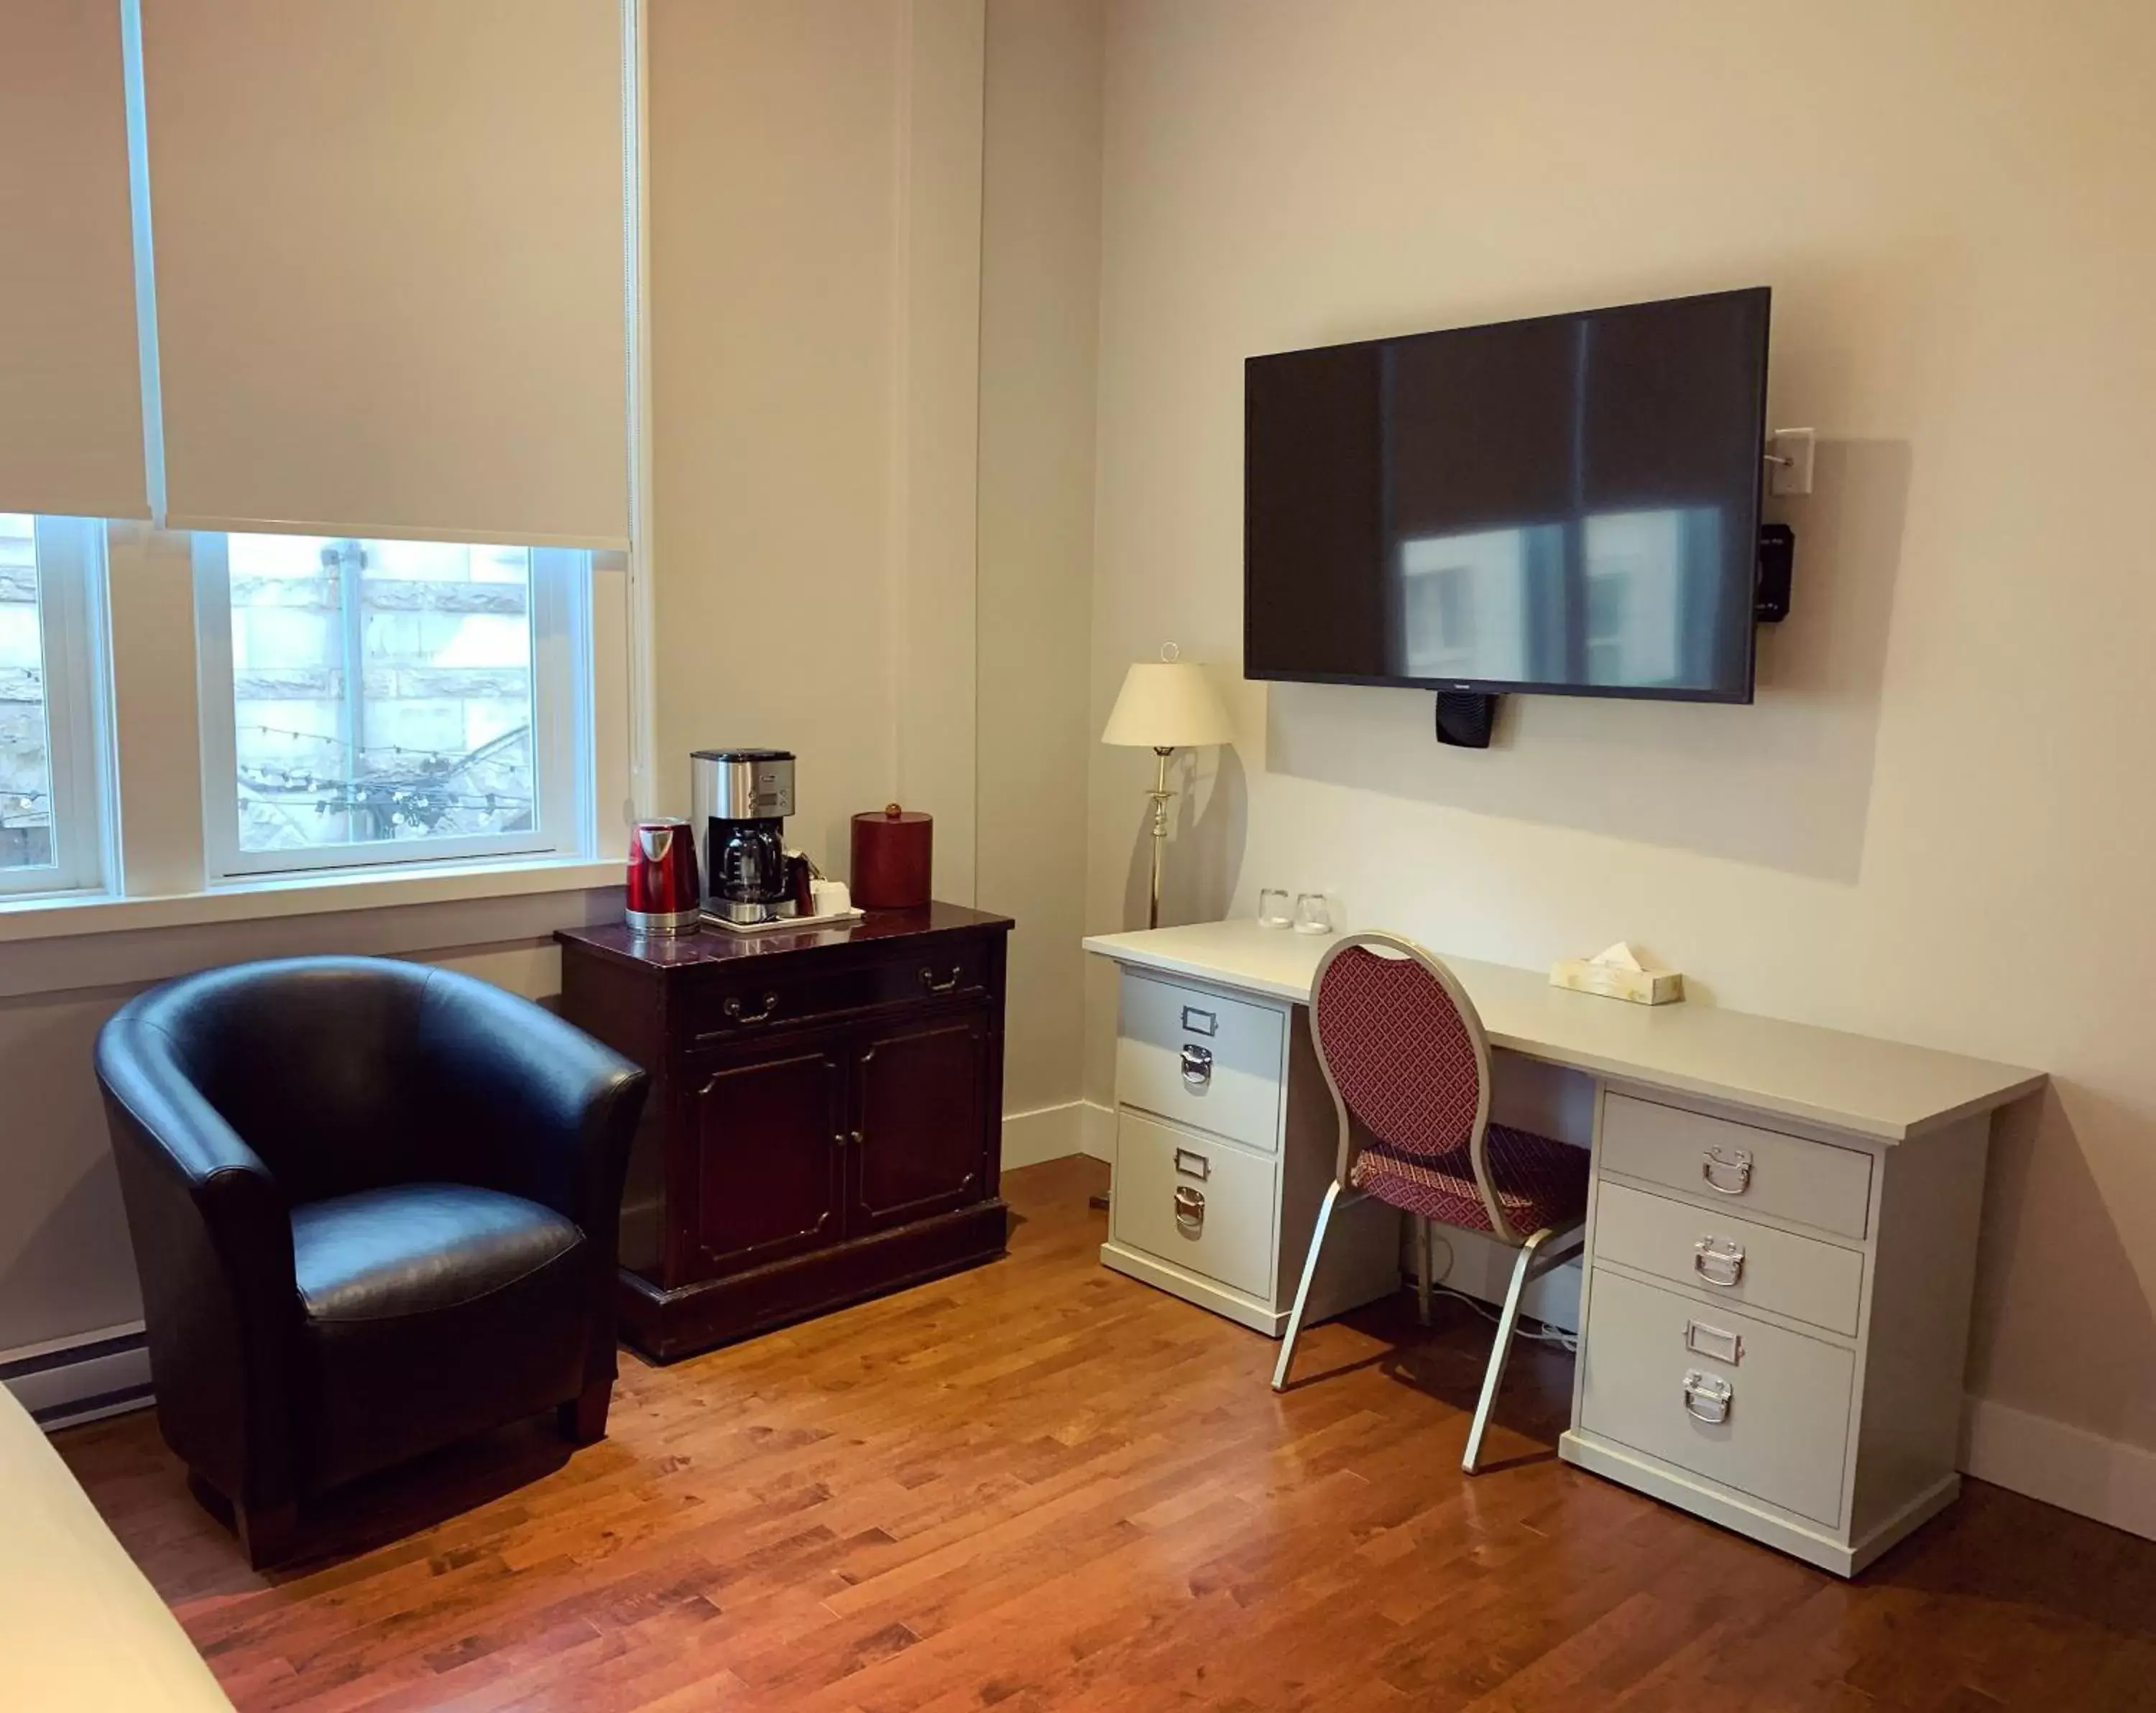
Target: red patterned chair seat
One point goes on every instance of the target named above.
(1540, 1182)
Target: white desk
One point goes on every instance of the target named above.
(1844, 1173)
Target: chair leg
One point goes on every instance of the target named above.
(1302, 1290)
(1523, 1268)
(1423, 1267)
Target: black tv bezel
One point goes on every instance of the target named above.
(1496, 686)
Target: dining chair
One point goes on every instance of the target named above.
(1404, 1054)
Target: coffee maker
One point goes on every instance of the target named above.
(740, 799)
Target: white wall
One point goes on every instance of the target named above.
(1935, 824)
(1039, 314)
(814, 188)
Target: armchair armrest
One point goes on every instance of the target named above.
(538, 1107)
(212, 1237)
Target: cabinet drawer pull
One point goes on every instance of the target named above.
(1189, 1208)
(1198, 1021)
(734, 1009)
(1193, 1164)
(1728, 1170)
(1196, 1064)
(928, 979)
(1706, 1398)
(1717, 1261)
(1702, 1340)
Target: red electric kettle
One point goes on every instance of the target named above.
(665, 895)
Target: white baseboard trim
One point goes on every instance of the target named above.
(2070, 1467)
(1046, 1133)
(80, 1378)
(1057, 1132)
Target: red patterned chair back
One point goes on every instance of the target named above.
(1402, 1048)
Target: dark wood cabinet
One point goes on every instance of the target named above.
(920, 1137)
(767, 1131)
(825, 1123)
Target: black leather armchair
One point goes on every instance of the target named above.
(374, 1206)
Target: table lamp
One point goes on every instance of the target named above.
(1165, 706)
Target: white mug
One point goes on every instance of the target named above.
(831, 897)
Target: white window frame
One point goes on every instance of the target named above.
(561, 736)
(70, 553)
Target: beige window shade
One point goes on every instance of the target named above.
(390, 265)
(71, 379)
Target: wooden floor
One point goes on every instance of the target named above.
(1043, 1486)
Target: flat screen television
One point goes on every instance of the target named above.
(1566, 506)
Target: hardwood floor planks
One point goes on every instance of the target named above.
(1042, 1485)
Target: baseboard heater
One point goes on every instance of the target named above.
(81, 1378)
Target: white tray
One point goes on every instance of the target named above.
(787, 925)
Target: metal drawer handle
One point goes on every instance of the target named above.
(1198, 1021)
(1189, 1208)
(1718, 1261)
(1192, 1164)
(734, 1009)
(1729, 1172)
(1706, 1398)
(1702, 1340)
(928, 979)
(1196, 1064)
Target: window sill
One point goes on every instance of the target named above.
(53, 918)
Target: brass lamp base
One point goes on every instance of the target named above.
(1162, 797)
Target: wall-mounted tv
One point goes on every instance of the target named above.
(1569, 504)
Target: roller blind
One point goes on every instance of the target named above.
(70, 380)
(390, 266)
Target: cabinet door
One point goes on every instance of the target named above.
(767, 1130)
(921, 1119)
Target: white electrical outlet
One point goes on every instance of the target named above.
(1789, 461)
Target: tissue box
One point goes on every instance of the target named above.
(1584, 975)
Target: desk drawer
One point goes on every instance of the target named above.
(1205, 1206)
(1802, 1277)
(1200, 1059)
(1655, 1363)
(1754, 1170)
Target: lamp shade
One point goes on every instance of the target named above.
(1167, 705)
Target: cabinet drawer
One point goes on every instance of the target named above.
(1802, 1277)
(1784, 1398)
(1204, 1205)
(725, 1005)
(1200, 1059)
(1758, 1170)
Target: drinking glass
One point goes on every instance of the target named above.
(1313, 915)
(1272, 907)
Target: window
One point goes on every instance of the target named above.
(374, 702)
(51, 820)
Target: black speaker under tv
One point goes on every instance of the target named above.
(1565, 505)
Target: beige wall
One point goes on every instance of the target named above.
(814, 207)
(1040, 311)
(815, 188)
(1935, 824)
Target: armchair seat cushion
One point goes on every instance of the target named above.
(430, 1311)
(414, 1249)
